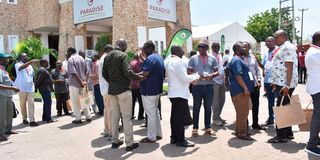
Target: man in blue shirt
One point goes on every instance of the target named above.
(241, 85)
(151, 88)
(267, 68)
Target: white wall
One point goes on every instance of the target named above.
(158, 34)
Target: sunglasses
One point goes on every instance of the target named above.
(201, 46)
(215, 46)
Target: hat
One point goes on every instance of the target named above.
(204, 42)
(5, 55)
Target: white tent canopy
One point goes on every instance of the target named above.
(232, 32)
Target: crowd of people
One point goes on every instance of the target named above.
(117, 84)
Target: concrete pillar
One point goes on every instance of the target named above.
(127, 16)
(68, 30)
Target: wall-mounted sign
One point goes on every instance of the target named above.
(90, 10)
(163, 10)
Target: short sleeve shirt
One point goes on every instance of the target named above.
(238, 68)
(5, 80)
(286, 53)
(77, 65)
(24, 80)
(202, 67)
(152, 86)
(59, 87)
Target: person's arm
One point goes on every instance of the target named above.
(25, 65)
(237, 71)
(258, 73)
(289, 66)
(242, 84)
(127, 71)
(72, 71)
(181, 73)
(5, 87)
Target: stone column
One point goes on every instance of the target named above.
(183, 20)
(127, 16)
(68, 30)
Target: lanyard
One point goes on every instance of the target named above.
(274, 53)
(203, 59)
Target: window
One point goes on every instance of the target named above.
(156, 43)
(12, 41)
(161, 46)
(12, 1)
(1, 42)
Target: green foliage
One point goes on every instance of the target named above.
(103, 40)
(264, 24)
(130, 55)
(33, 47)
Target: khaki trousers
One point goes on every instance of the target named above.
(24, 97)
(241, 105)
(121, 104)
(107, 114)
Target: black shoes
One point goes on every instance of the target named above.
(117, 145)
(185, 143)
(10, 132)
(25, 122)
(258, 127)
(277, 140)
(3, 138)
(245, 136)
(132, 147)
(88, 120)
(77, 122)
(33, 124)
(268, 123)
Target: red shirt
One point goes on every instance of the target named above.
(301, 58)
(136, 67)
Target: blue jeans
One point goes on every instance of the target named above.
(99, 99)
(314, 139)
(271, 99)
(205, 93)
(46, 97)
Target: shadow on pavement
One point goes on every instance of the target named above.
(202, 139)
(121, 153)
(238, 143)
(71, 125)
(138, 122)
(19, 126)
(289, 147)
(141, 132)
(312, 157)
(170, 150)
(100, 142)
(217, 128)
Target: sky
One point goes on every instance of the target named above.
(206, 12)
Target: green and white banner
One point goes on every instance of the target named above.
(179, 39)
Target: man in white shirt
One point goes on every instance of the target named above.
(178, 92)
(312, 62)
(104, 92)
(24, 82)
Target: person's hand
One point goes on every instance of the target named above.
(35, 60)
(273, 86)
(141, 77)
(83, 84)
(259, 84)
(15, 89)
(284, 91)
(246, 92)
(264, 73)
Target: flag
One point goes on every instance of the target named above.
(179, 39)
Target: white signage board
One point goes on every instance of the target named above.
(163, 10)
(90, 10)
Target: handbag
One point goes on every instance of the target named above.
(86, 98)
(15, 111)
(290, 114)
(308, 112)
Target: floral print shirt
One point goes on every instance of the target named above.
(286, 53)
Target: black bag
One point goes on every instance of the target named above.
(15, 111)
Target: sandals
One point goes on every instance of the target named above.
(208, 132)
(194, 133)
(277, 140)
(146, 140)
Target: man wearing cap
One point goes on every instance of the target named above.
(6, 92)
(24, 82)
(207, 67)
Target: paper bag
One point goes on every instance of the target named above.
(86, 98)
(290, 114)
(308, 112)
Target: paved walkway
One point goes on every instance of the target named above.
(63, 140)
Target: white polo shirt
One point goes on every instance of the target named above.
(178, 79)
(312, 61)
(24, 80)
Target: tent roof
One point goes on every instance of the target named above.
(205, 31)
